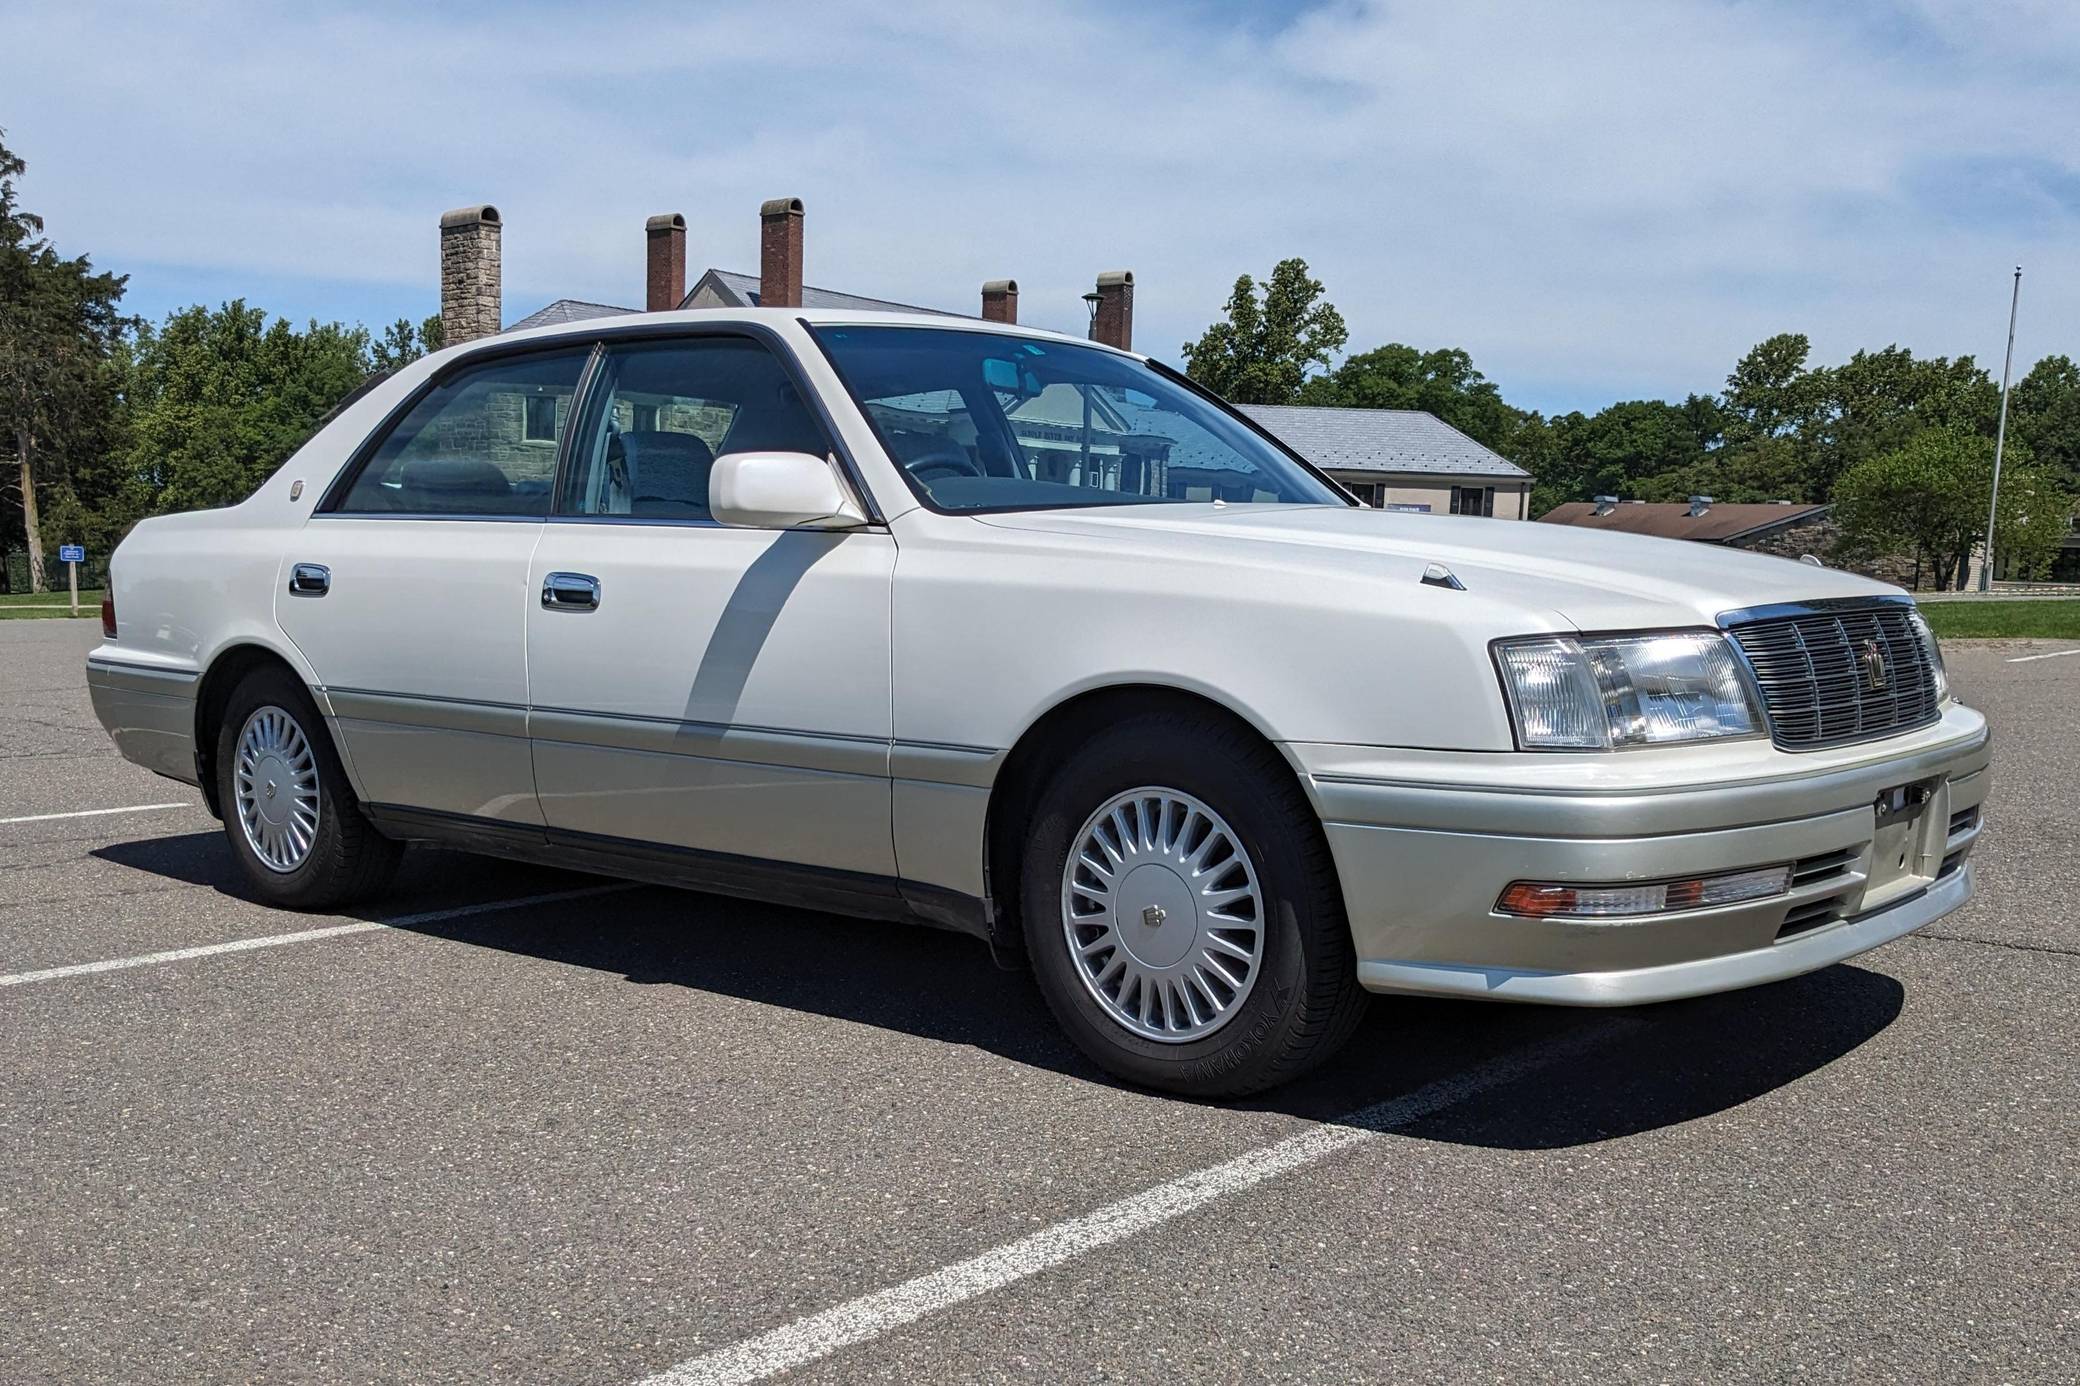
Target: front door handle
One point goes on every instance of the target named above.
(570, 592)
(310, 580)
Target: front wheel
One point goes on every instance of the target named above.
(292, 821)
(1183, 916)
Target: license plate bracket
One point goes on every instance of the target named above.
(1899, 847)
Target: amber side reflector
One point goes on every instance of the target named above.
(108, 615)
(1551, 900)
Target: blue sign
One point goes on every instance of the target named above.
(1411, 509)
(72, 553)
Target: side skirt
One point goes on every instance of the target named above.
(855, 893)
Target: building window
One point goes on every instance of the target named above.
(1473, 500)
(541, 418)
(1367, 492)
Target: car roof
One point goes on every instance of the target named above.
(590, 328)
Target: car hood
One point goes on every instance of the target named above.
(1590, 579)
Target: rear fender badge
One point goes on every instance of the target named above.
(296, 490)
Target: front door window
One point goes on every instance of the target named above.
(662, 412)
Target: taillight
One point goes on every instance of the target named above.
(108, 615)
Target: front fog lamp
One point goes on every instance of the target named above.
(1551, 900)
(1596, 693)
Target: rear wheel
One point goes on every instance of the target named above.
(1181, 911)
(290, 816)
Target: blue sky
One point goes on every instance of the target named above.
(1600, 200)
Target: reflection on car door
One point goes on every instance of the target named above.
(410, 587)
(693, 685)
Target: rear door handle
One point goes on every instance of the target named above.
(570, 592)
(310, 580)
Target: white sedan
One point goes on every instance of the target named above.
(1014, 634)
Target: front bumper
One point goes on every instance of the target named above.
(1425, 842)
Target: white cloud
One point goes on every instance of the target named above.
(1599, 199)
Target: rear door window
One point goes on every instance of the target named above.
(482, 442)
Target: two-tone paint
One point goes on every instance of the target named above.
(828, 715)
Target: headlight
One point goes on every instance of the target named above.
(1935, 654)
(1596, 693)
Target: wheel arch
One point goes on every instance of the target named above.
(226, 670)
(1015, 790)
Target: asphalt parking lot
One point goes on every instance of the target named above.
(507, 1131)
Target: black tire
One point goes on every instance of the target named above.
(1305, 1001)
(348, 860)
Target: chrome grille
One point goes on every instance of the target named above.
(1834, 675)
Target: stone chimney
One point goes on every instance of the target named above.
(780, 253)
(1000, 300)
(1606, 504)
(1113, 322)
(664, 279)
(470, 305)
(1698, 505)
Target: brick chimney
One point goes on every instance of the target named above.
(1000, 300)
(780, 253)
(470, 305)
(664, 239)
(1113, 323)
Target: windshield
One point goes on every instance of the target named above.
(985, 421)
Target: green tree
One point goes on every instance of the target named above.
(401, 344)
(1615, 450)
(1443, 383)
(2044, 416)
(1766, 469)
(1262, 352)
(220, 398)
(1876, 401)
(1770, 391)
(60, 325)
(1930, 496)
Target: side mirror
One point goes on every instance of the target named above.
(780, 490)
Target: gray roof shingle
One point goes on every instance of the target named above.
(568, 310)
(733, 289)
(1380, 440)
(744, 289)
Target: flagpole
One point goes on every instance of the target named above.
(2000, 438)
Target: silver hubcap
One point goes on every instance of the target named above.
(276, 785)
(1163, 914)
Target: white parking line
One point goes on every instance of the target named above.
(870, 1316)
(241, 945)
(93, 813)
(2055, 654)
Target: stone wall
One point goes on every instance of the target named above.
(1821, 537)
(705, 421)
(497, 433)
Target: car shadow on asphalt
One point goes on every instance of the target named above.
(1623, 1072)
